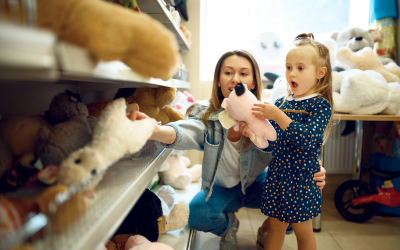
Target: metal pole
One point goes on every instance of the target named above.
(316, 223)
(358, 150)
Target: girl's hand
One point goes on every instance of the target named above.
(243, 127)
(265, 110)
(319, 177)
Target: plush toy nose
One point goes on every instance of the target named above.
(359, 38)
(239, 89)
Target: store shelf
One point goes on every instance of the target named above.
(116, 194)
(157, 10)
(179, 84)
(181, 239)
(29, 54)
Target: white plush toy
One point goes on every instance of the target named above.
(114, 135)
(175, 215)
(394, 99)
(361, 92)
(365, 59)
(175, 171)
(280, 89)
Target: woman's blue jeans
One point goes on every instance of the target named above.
(214, 215)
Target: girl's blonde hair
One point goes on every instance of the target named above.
(217, 97)
(321, 58)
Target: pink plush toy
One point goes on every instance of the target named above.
(238, 108)
(138, 242)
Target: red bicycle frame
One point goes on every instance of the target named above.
(389, 197)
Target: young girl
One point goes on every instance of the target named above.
(302, 121)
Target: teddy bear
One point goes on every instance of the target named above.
(355, 39)
(365, 59)
(238, 108)
(70, 131)
(153, 102)
(153, 215)
(138, 242)
(114, 136)
(136, 39)
(175, 171)
(175, 215)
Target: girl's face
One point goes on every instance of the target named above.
(235, 69)
(301, 72)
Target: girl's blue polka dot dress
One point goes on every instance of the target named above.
(290, 194)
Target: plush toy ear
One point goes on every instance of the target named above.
(227, 121)
(224, 103)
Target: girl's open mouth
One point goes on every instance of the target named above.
(294, 84)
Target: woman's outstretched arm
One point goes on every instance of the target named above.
(164, 134)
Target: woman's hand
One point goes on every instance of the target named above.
(319, 177)
(137, 115)
(243, 127)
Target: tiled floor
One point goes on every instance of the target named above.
(379, 233)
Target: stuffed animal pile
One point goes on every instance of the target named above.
(366, 84)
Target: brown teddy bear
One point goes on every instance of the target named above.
(112, 32)
(154, 103)
(151, 101)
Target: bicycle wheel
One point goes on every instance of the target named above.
(346, 193)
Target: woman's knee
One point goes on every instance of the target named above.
(197, 213)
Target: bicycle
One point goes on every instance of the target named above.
(358, 202)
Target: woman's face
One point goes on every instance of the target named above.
(235, 69)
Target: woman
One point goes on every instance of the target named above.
(233, 172)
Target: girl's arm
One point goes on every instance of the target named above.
(303, 135)
(271, 112)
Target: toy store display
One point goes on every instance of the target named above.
(238, 108)
(175, 170)
(41, 144)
